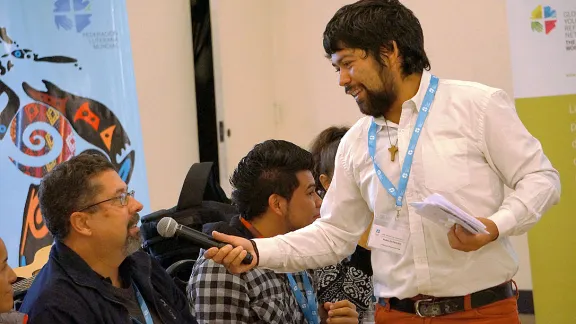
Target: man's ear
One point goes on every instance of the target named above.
(391, 57)
(277, 204)
(80, 223)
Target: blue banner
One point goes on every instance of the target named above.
(66, 86)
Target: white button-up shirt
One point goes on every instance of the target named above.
(472, 145)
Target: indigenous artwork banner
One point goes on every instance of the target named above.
(66, 86)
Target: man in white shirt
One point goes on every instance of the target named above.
(422, 135)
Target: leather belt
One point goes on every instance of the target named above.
(437, 306)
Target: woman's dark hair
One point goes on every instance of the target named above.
(323, 151)
(372, 25)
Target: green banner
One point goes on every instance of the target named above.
(552, 241)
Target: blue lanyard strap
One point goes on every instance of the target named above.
(143, 307)
(308, 304)
(398, 193)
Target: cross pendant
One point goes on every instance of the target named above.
(393, 150)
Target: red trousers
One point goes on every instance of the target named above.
(501, 312)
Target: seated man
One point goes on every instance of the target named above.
(275, 193)
(7, 278)
(96, 273)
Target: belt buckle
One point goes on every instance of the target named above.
(429, 311)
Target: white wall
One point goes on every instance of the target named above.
(244, 76)
(161, 37)
(307, 90)
(469, 45)
(465, 40)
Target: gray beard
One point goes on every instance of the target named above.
(133, 244)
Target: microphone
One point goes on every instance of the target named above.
(168, 227)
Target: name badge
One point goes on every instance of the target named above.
(389, 234)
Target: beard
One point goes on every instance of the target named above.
(294, 223)
(133, 242)
(379, 102)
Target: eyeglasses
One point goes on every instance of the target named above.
(123, 199)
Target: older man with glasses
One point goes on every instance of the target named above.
(96, 273)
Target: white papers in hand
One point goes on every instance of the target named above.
(440, 211)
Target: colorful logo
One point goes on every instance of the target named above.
(543, 19)
(72, 13)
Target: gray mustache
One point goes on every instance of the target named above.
(135, 219)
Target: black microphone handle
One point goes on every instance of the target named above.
(205, 241)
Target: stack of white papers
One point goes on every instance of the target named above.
(439, 210)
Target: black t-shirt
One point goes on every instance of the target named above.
(127, 296)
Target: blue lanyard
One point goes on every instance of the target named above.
(398, 194)
(308, 304)
(143, 307)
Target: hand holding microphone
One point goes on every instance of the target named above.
(216, 250)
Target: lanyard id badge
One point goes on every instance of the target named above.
(398, 192)
(143, 306)
(308, 304)
(391, 233)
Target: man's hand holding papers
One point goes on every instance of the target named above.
(466, 233)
